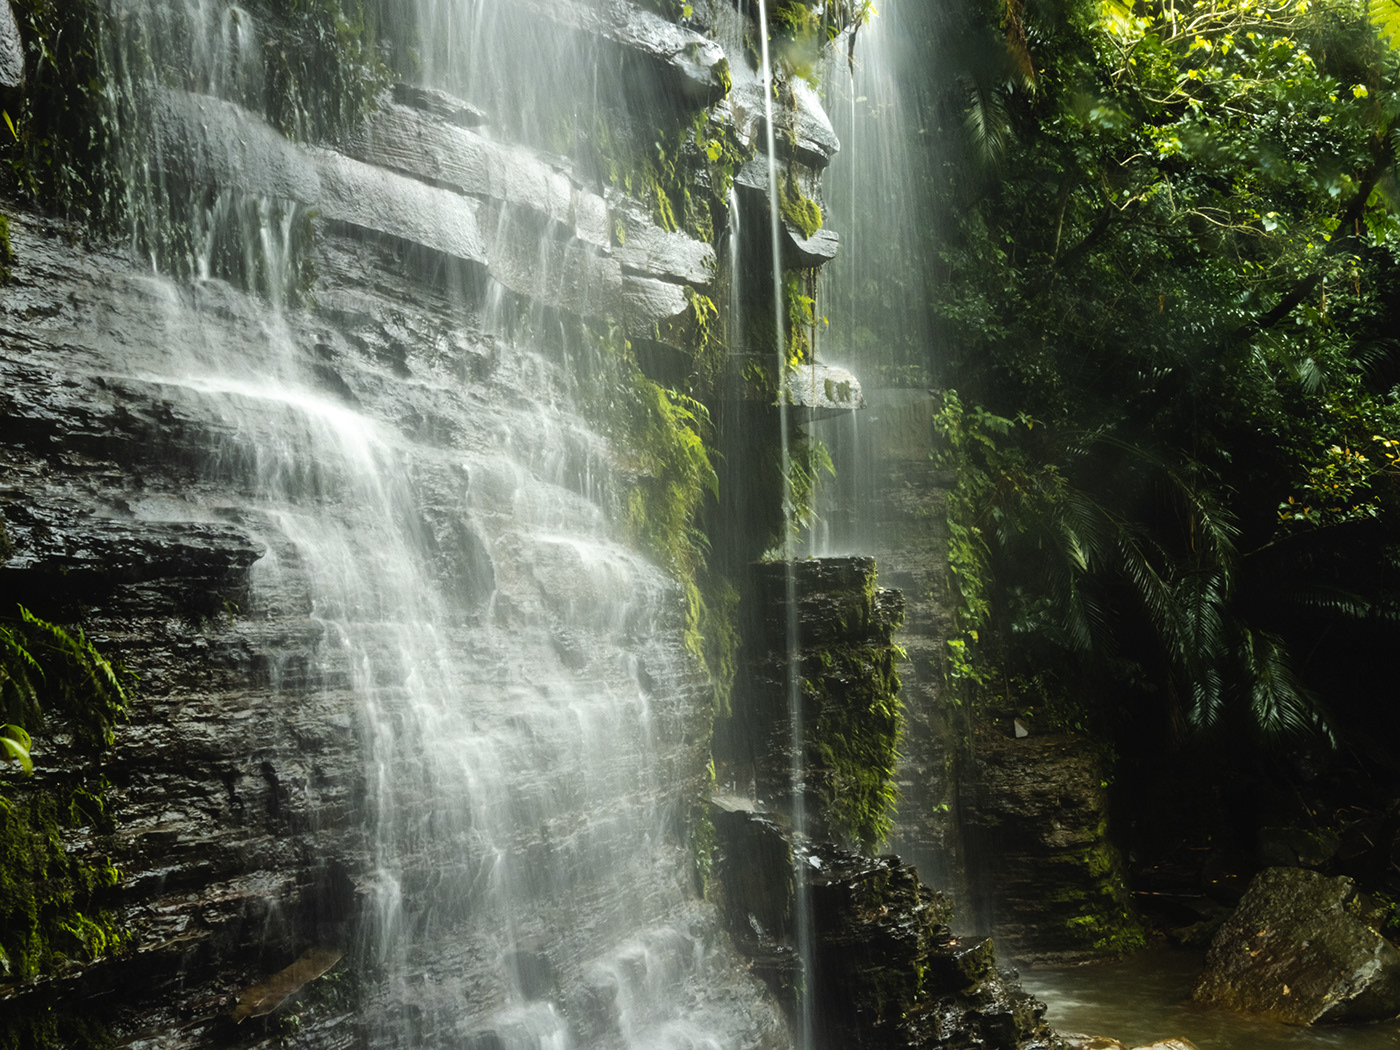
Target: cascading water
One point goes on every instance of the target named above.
(443, 567)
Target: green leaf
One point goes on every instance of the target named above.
(15, 743)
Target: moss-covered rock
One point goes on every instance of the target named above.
(1047, 879)
(847, 692)
(1299, 950)
(885, 971)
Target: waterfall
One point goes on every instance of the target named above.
(404, 394)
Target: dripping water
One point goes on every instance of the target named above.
(447, 559)
(801, 893)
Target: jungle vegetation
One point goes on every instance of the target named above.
(1169, 359)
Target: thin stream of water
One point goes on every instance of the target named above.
(802, 920)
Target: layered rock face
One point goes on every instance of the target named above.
(407, 690)
(856, 948)
(1044, 875)
(401, 688)
(843, 693)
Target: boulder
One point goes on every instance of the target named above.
(1298, 950)
(11, 50)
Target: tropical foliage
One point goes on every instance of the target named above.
(1168, 290)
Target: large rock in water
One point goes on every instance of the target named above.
(1297, 949)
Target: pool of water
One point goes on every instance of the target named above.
(1148, 997)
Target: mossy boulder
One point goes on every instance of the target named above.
(1298, 949)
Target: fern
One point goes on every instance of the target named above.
(47, 670)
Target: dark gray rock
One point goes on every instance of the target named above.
(1045, 879)
(886, 972)
(809, 252)
(11, 50)
(1297, 950)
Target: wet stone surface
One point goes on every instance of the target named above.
(1299, 948)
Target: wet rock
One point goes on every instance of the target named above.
(1044, 876)
(1298, 950)
(11, 50)
(563, 273)
(826, 391)
(807, 127)
(885, 970)
(846, 687)
(407, 140)
(696, 64)
(802, 131)
(808, 252)
(645, 248)
(126, 564)
(1101, 1042)
(210, 142)
(648, 300)
(378, 201)
(440, 104)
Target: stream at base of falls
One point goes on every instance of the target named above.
(1148, 997)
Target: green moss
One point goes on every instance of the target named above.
(1101, 918)
(703, 843)
(853, 742)
(52, 905)
(683, 175)
(7, 256)
(65, 154)
(797, 208)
